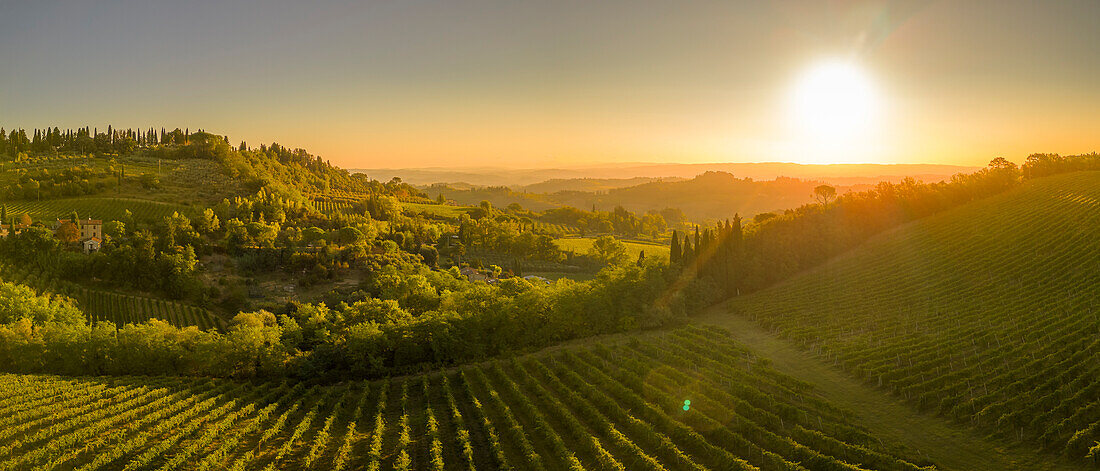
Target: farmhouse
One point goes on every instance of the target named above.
(91, 229)
(473, 275)
(91, 245)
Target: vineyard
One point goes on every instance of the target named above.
(558, 230)
(332, 206)
(687, 399)
(106, 209)
(987, 314)
(118, 308)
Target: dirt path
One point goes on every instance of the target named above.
(952, 447)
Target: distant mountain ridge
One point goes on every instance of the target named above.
(711, 195)
(837, 174)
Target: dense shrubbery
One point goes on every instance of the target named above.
(20, 304)
(422, 327)
(618, 221)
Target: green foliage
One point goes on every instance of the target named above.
(608, 250)
(18, 303)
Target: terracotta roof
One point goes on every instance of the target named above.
(91, 221)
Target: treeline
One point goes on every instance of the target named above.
(294, 173)
(366, 338)
(733, 258)
(268, 165)
(86, 140)
(619, 221)
(505, 232)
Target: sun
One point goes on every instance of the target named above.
(834, 102)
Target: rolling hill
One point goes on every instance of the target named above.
(987, 314)
(835, 174)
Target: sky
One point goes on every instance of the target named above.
(555, 83)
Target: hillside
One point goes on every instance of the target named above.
(712, 195)
(986, 313)
(589, 184)
(709, 196)
(836, 174)
(688, 399)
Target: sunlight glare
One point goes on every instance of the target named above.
(834, 101)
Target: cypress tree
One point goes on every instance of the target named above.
(689, 253)
(674, 251)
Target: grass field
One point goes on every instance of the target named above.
(581, 245)
(436, 210)
(105, 208)
(987, 314)
(621, 405)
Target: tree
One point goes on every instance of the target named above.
(607, 249)
(208, 222)
(20, 302)
(824, 193)
(67, 233)
(689, 252)
(430, 254)
(675, 252)
(25, 219)
(114, 229)
(348, 236)
(312, 234)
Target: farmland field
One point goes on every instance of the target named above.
(582, 245)
(92, 207)
(437, 210)
(987, 314)
(687, 399)
(331, 206)
(555, 229)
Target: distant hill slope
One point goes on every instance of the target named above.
(712, 195)
(589, 184)
(988, 313)
(837, 174)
